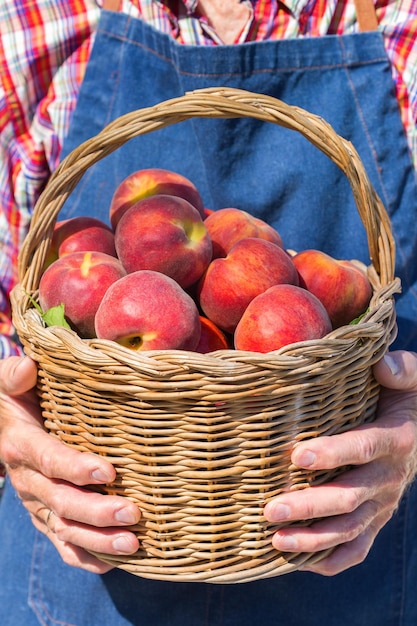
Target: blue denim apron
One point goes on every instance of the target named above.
(277, 175)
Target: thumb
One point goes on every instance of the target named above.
(17, 375)
(397, 370)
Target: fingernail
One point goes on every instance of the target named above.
(306, 458)
(100, 476)
(392, 364)
(125, 516)
(123, 544)
(277, 512)
(285, 542)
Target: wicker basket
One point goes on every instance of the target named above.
(202, 442)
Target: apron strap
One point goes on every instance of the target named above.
(366, 15)
(112, 5)
(365, 11)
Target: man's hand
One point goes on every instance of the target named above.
(358, 503)
(50, 478)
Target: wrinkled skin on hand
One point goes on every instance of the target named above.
(50, 476)
(358, 503)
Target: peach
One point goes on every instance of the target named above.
(79, 281)
(80, 234)
(165, 234)
(229, 284)
(146, 310)
(282, 315)
(211, 338)
(227, 226)
(342, 287)
(150, 182)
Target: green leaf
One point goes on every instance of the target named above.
(358, 319)
(55, 316)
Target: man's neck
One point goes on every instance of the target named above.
(226, 17)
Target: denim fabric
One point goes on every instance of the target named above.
(275, 174)
(37, 588)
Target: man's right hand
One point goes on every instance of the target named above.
(51, 478)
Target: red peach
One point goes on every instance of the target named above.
(282, 315)
(165, 234)
(229, 284)
(79, 281)
(80, 234)
(147, 310)
(150, 182)
(212, 338)
(227, 226)
(342, 287)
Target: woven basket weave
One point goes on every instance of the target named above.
(202, 442)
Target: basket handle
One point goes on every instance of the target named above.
(207, 103)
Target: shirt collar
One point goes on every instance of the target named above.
(295, 7)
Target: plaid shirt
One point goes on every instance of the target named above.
(44, 49)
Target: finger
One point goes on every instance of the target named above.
(18, 398)
(386, 437)
(79, 505)
(74, 555)
(32, 446)
(327, 533)
(313, 502)
(44, 453)
(64, 532)
(397, 370)
(351, 553)
(17, 375)
(344, 494)
(106, 540)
